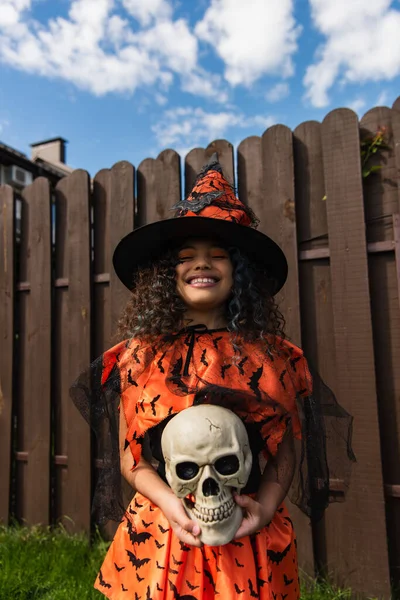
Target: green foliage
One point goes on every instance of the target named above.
(370, 147)
(46, 564)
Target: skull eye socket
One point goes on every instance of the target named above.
(187, 470)
(227, 465)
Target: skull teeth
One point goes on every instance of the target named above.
(211, 515)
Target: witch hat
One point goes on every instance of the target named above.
(212, 210)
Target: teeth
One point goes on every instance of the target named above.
(210, 515)
(203, 280)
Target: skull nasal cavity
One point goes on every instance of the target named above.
(210, 487)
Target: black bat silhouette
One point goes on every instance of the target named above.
(151, 509)
(138, 440)
(287, 580)
(254, 381)
(133, 512)
(281, 377)
(275, 596)
(176, 376)
(137, 538)
(238, 563)
(137, 505)
(224, 368)
(158, 566)
(293, 362)
(134, 354)
(215, 342)
(195, 568)
(177, 562)
(118, 568)
(102, 582)
(184, 547)
(190, 586)
(253, 593)
(146, 524)
(139, 578)
(137, 562)
(177, 594)
(137, 597)
(270, 577)
(284, 596)
(172, 571)
(153, 402)
(238, 590)
(277, 557)
(124, 589)
(241, 364)
(159, 589)
(261, 582)
(210, 579)
(160, 365)
(148, 596)
(130, 380)
(158, 544)
(203, 358)
(161, 528)
(235, 543)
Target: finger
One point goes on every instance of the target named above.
(244, 501)
(188, 538)
(244, 529)
(188, 525)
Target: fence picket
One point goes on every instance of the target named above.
(362, 561)
(7, 299)
(33, 416)
(77, 489)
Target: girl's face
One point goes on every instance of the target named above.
(204, 274)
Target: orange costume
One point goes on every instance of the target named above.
(145, 559)
(267, 383)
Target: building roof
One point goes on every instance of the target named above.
(56, 139)
(37, 168)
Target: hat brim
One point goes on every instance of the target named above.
(149, 242)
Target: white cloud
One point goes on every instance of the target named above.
(357, 105)
(101, 51)
(278, 92)
(161, 99)
(187, 127)
(362, 44)
(145, 11)
(253, 38)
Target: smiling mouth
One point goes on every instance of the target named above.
(201, 282)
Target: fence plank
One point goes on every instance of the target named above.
(396, 104)
(33, 417)
(362, 562)
(194, 161)
(7, 287)
(381, 197)
(273, 203)
(101, 196)
(250, 173)
(121, 222)
(312, 226)
(158, 187)
(380, 188)
(315, 283)
(74, 191)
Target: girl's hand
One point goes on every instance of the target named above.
(256, 516)
(185, 529)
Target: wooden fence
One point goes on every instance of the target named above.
(60, 300)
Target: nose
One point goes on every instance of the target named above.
(210, 487)
(202, 263)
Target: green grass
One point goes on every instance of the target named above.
(48, 564)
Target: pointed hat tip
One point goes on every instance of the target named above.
(212, 164)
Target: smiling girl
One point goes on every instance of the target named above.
(202, 325)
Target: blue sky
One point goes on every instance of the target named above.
(125, 79)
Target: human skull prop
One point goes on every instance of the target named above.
(207, 457)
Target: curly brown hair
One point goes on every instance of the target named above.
(155, 309)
